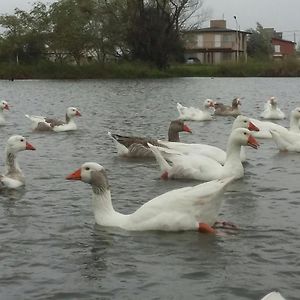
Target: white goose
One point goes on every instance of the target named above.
(265, 127)
(13, 177)
(272, 111)
(208, 150)
(204, 168)
(3, 106)
(196, 114)
(289, 140)
(189, 208)
(40, 123)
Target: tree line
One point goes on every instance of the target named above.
(107, 30)
(102, 30)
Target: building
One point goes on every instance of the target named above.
(282, 48)
(215, 44)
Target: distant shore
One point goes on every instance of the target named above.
(125, 70)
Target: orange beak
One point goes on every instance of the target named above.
(78, 114)
(252, 142)
(252, 127)
(29, 146)
(186, 128)
(75, 176)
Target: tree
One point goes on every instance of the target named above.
(25, 34)
(259, 43)
(154, 28)
(69, 35)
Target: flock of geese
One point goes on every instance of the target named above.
(188, 208)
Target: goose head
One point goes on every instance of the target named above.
(243, 137)
(4, 105)
(244, 122)
(73, 112)
(179, 126)
(273, 101)
(92, 173)
(295, 113)
(17, 143)
(236, 102)
(209, 103)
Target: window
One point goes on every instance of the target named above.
(277, 48)
(200, 41)
(217, 40)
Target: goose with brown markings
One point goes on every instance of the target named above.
(226, 110)
(40, 123)
(188, 208)
(129, 146)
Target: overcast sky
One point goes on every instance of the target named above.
(283, 15)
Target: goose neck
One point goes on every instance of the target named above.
(11, 164)
(294, 124)
(173, 135)
(233, 152)
(103, 209)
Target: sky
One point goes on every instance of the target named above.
(283, 15)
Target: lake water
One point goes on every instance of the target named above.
(50, 247)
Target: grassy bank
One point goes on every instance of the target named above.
(48, 70)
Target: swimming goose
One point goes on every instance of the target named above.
(188, 208)
(225, 110)
(40, 123)
(208, 150)
(195, 114)
(289, 140)
(3, 106)
(13, 177)
(272, 111)
(265, 127)
(200, 167)
(137, 146)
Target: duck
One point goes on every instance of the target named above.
(137, 146)
(213, 152)
(200, 167)
(40, 123)
(13, 177)
(272, 111)
(3, 106)
(265, 127)
(188, 208)
(195, 114)
(226, 110)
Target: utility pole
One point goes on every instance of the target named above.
(237, 42)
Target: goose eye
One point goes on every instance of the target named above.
(87, 168)
(245, 121)
(245, 133)
(22, 140)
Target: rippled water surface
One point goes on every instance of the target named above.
(50, 246)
